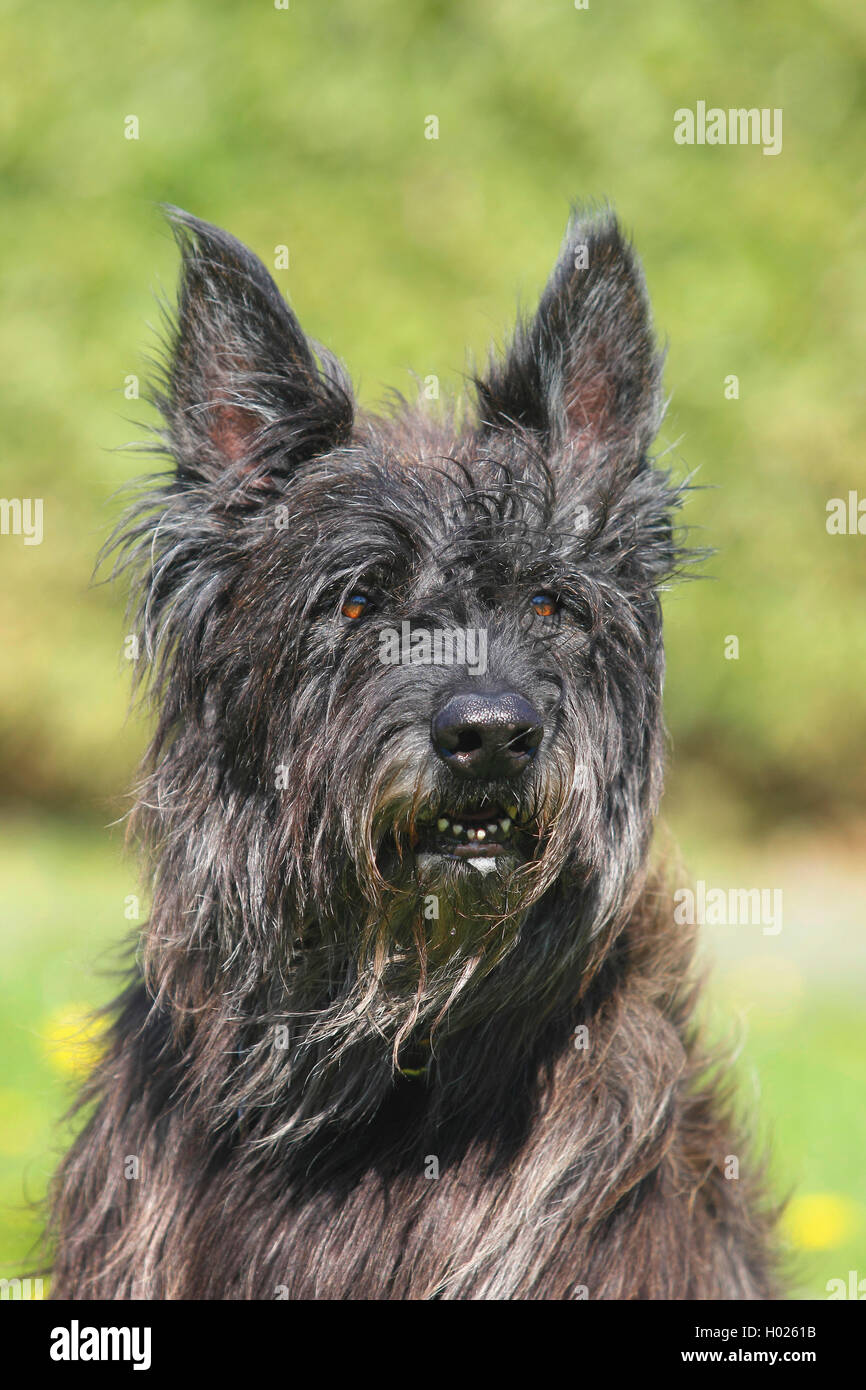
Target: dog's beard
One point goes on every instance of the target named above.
(463, 855)
(430, 928)
(386, 948)
(389, 945)
(397, 948)
(490, 846)
(440, 911)
(393, 981)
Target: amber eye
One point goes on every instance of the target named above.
(354, 607)
(544, 605)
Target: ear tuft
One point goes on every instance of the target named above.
(584, 370)
(243, 390)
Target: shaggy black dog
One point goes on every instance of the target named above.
(410, 1018)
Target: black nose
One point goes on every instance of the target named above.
(480, 735)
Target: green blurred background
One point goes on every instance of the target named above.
(306, 127)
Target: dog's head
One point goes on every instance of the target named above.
(409, 667)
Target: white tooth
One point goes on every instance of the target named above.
(441, 823)
(481, 834)
(457, 830)
(505, 825)
(491, 829)
(470, 834)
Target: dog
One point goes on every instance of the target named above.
(411, 1017)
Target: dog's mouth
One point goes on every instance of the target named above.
(483, 832)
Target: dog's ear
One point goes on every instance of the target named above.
(244, 394)
(584, 371)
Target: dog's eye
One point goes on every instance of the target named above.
(544, 605)
(355, 606)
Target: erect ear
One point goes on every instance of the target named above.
(585, 369)
(244, 393)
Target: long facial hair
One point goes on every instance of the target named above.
(295, 942)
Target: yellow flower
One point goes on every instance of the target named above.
(820, 1220)
(72, 1039)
